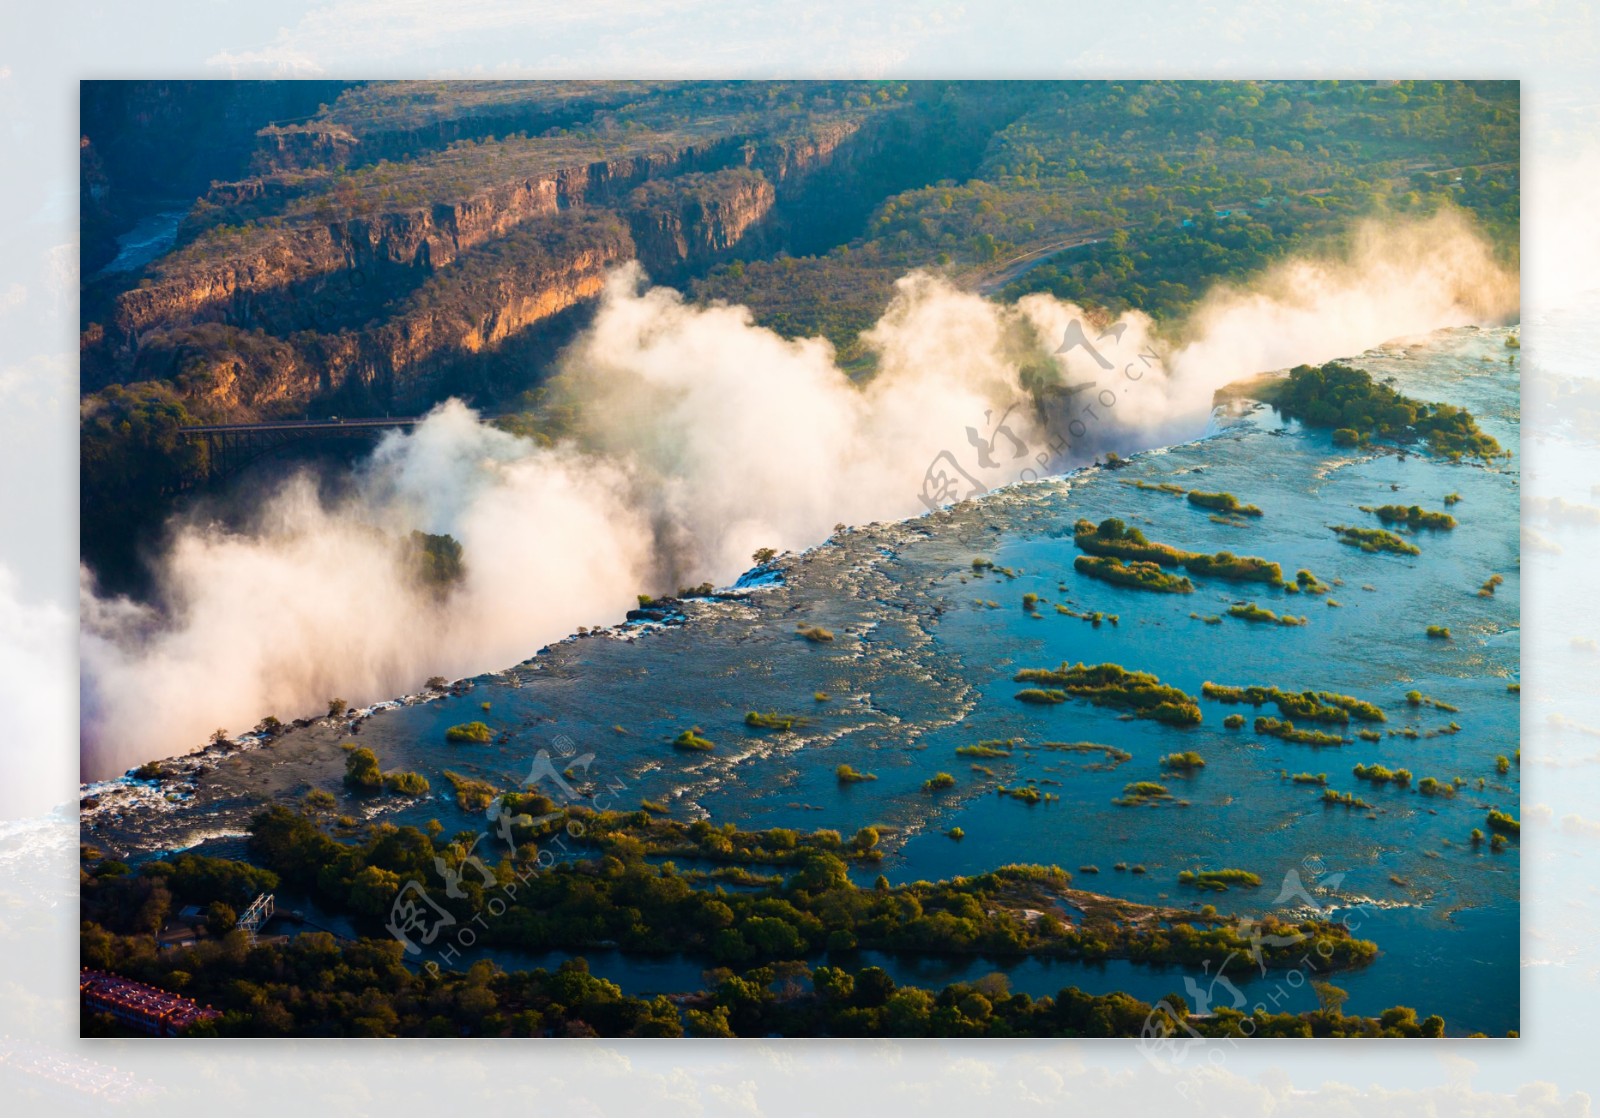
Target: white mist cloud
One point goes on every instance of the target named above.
(700, 437)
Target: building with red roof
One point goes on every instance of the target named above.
(139, 1006)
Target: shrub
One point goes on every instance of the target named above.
(469, 732)
(1308, 582)
(1412, 515)
(1321, 707)
(994, 749)
(1375, 540)
(471, 794)
(318, 800)
(1218, 880)
(1504, 822)
(361, 770)
(1142, 792)
(849, 775)
(816, 633)
(691, 740)
(1286, 730)
(1226, 565)
(1310, 778)
(1348, 800)
(1225, 502)
(1380, 775)
(407, 783)
(937, 782)
(1250, 612)
(1111, 685)
(1439, 633)
(1139, 574)
(1234, 721)
(771, 720)
(1025, 793)
(1157, 487)
(1188, 761)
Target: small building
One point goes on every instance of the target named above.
(139, 1006)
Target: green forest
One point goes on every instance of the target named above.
(759, 923)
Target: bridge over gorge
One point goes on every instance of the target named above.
(230, 448)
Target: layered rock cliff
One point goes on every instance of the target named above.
(264, 272)
(691, 221)
(547, 266)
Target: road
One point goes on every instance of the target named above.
(992, 277)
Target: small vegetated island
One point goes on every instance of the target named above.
(469, 732)
(1358, 409)
(1218, 880)
(1310, 706)
(1137, 573)
(1111, 685)
(1375, 540)
(850, 775)
(1223, 503)
(1111, 537)
(1250, 612)
(691, 741)
(772, 720)
(1412, 515)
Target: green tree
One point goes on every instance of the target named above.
(220, 918)
(361, 770)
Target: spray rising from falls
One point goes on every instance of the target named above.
(698, 437)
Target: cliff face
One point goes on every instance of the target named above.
(228, 278)
(546, 267)
(691, 221)
(403, 361)
(301, 147)
(787, 161)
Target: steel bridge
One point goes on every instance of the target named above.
(230, 448)
(259, 913)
